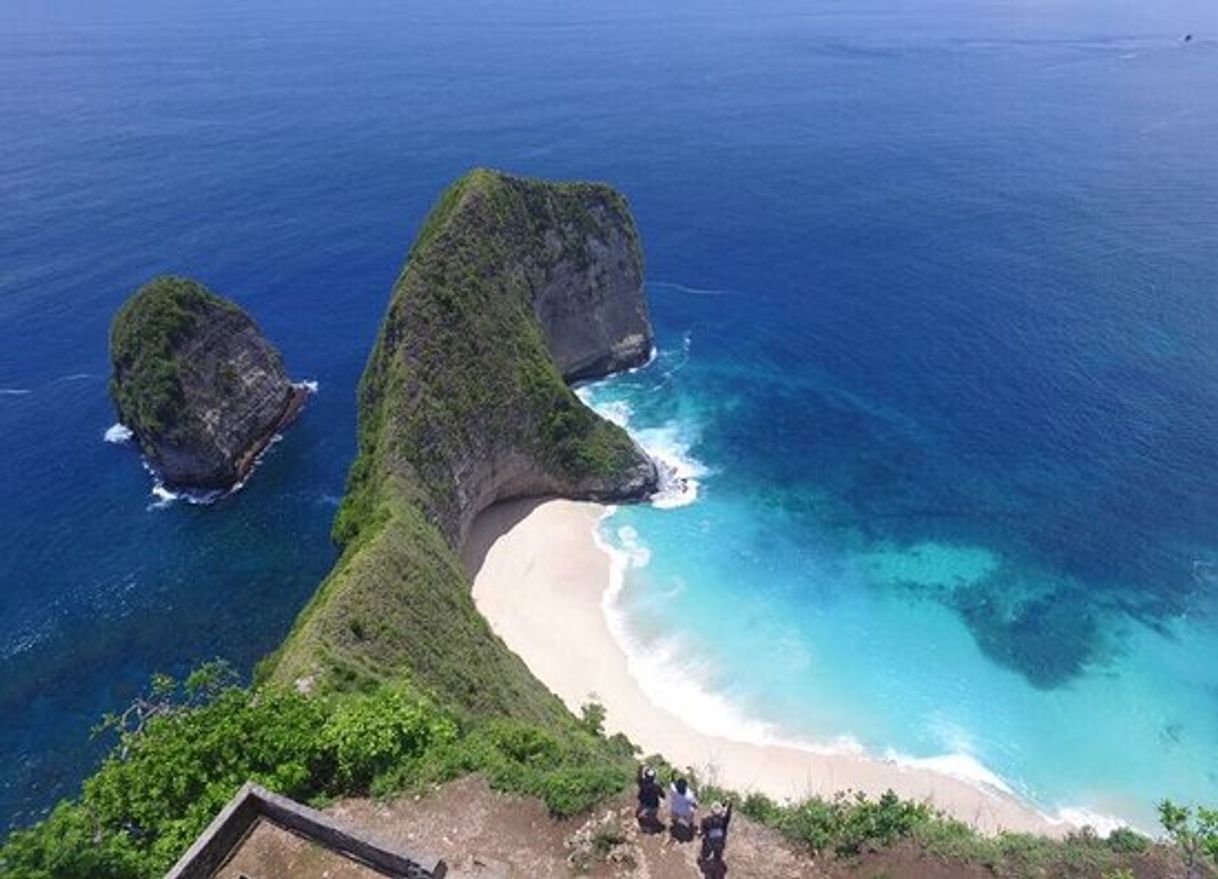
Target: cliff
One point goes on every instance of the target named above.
(512, 285)
(197, 383)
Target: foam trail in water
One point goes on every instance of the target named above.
(14, 392)
(118, 434)
(693, 291)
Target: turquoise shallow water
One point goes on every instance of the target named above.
(760, 622)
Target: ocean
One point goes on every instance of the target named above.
(935, 285)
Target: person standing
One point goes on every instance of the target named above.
(714, 832)
(682, 801)
(650, 794)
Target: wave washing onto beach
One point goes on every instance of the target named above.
(661, 677)
(674, 674)
(671, 670)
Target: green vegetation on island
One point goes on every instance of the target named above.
(144, 339)
(197, 383)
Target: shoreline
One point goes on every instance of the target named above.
(543, 579)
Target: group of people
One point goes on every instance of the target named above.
(682, 809)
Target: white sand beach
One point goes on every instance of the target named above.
(540, 580)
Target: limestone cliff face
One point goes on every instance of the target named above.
(513, 287)
(478, 403)
(197, 383)
(587, 282)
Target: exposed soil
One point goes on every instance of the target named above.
(482, 834)
(487, 835)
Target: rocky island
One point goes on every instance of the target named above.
(197, 383)
(512, 287)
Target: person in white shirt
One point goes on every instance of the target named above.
(682, 802)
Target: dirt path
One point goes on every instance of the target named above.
(486, 835)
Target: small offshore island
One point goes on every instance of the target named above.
(391, 680)
(197, 383)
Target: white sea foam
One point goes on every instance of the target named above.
(693, 291)
(674, 675)
(669, 445)
(961, 766)
(680, 472)
(309, 385)
(165, 496)
(118, 434)
(651, 358)
(14, 392)
(1078, 816)
(617, 411)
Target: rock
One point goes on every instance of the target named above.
(588, 283)
(457, 345)
(197, 383)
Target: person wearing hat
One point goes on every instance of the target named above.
(650, 794)
(714, 832)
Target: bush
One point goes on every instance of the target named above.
(1127, 841)
(847, 824)
(370, 736)
(183, 751)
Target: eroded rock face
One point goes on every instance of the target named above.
(470, 395)
(589, 298)
(197, 383)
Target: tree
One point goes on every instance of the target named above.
(1195, 836)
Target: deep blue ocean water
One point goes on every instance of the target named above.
(936, 285)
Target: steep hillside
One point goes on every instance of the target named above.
(463, 404)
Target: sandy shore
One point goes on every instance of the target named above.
(540, 579)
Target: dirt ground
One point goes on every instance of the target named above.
(486, 835)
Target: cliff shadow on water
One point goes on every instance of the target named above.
(513, 288)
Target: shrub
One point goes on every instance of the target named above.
(370, 736)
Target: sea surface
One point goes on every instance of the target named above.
(936, 289)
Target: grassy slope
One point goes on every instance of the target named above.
(460, 370)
